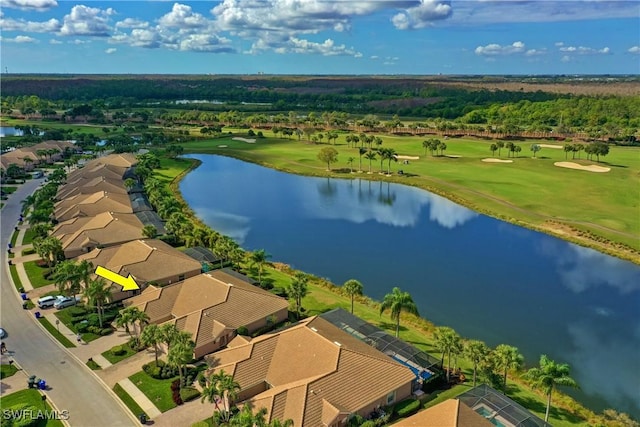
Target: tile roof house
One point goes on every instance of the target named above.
(147, 261)
(91, 185)
(17, 156)
(122, 160)
(314, 374)
(92, 170)
(91, 204)
(450, 413)
(211, 309)
(83, 234)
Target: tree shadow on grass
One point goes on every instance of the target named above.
(554, 412)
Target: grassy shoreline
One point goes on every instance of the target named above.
(324, 295)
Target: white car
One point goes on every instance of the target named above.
(64, 302)
(3, 333)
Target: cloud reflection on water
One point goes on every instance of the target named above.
(359, 201)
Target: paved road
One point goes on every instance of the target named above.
(73, 387)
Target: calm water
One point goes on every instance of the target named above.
(487, 279)
(9, 131)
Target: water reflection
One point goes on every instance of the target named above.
(235, 226)
(383, 202)
(582, 268)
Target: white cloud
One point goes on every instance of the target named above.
(423, 14)
(132, 23)
(19, 39)
(50, 26)
(87, 21)
(535, 52)
(78, 41)
(54, 41)
(565, 58)
(283, 44)
(38, 5)
(583, 50)
(183, 17)
(205, 43)
(374, 57)
(494, 49)
(634, 49)
(110, 50)
(558, 44)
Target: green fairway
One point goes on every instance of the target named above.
(595, 209)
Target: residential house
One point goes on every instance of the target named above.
(450, 413)
(313, 373)
(91, 205)
(148, 261)
(211, 309)
(91, 185)
(83, 234)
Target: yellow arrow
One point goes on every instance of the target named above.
(127, 283)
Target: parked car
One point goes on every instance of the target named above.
(64, 302)
(3, 333)
(48, 301)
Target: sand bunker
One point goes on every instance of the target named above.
(222, 146)
(551, 146)
(453, 156)
(407, 157)
(590, 168)
(497, 161)
(247, 140)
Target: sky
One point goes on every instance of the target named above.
(388, 37)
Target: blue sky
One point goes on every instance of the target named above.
(321, 37)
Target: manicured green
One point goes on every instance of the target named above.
(7, 370)
(128, 400)
(30, 397)
(113, 359)
(14, 237)
(34, 273)
(14, 276)
(28, 237)
(158, 391)
(93, 365)
(54, 331)
(9, 189)
(28, 251)
(527, 192)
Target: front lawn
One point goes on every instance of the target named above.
(128, 400)
(113, 359)
(14, 276)
(34, 272)
(7, 370)
(158, 391)
(28, 237)
(54, 331)
(33, 398)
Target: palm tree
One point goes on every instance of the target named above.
(152, 335)
(169, 332)
(221, 388)
(66, 277)
(361, 151)
(181, 352)
(85, 269)
(352, 287)
(391, 155)
(370, 156)
(507, 357)
(125, 318)
(142, 319)
(448, 342)
(350, 161)
(259, 257)
(97, 293)
(397, 302)
(297, 290)
(49, 248)
(476, 351)
(549, 375)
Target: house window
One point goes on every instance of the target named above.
(391, 397)
(181, 278)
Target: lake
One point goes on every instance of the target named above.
(488, 279)
(9, 131)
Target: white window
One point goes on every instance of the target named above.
(391, 397)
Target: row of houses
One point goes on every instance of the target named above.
(27, 158)
(318, 372)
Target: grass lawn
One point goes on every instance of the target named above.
(31, 397)
(128, 400)
(34, 272)
(530, 191)
(14, 237)
(57, 335)
(14, 276)
(113, 359)
(158, 391)
(7, 370)
(9, 189)
(28, 237)
(93, 365)
(65, 317)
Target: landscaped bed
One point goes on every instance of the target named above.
(90, 329)
(118, 353)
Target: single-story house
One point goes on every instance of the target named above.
(91, 205)
(313, 373)
(91, 185)
(148, 261)
(211, 309)
(450, 413)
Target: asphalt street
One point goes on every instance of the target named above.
(73, 387)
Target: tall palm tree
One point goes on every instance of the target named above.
(391, 155)
(181, 352)
(221, 388)
(66, 278)
(397, 302)
(448, 342)
(169, 332)
(97, 293)
(361, 152)
(352, 287)
(350, 161)
(152, 336)
(259, 258)
(85, 269)
(297, 290)
(371, 155)
(507, 357)
(476, 351)
(548, 375)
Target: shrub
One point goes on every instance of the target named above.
(175, 392)
(118, 350)
(81, 328)
(242, 330)
(106, 331)
(200, 424)
(28, 251)
(47, 274)
(175, 385)
(202, 380)
(406, 407)
(153, 370)
(189, 393)
(94, 319)
(368, 423)
(77, 311)
(94, 330)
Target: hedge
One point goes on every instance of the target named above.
(189, 393)
(406, 407)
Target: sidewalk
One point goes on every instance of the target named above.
(15, 382)
(147, 406)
